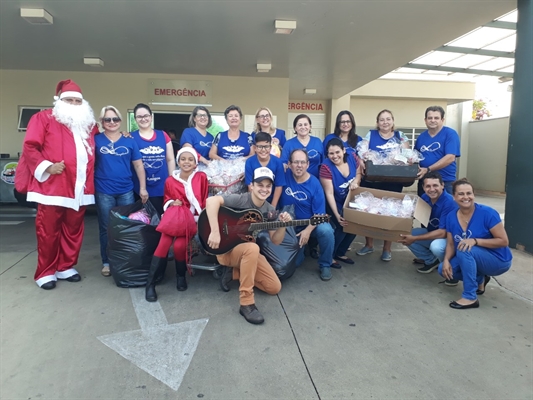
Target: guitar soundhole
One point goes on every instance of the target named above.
(252, 217)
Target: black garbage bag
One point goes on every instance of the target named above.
(131, 244)
(282, 257)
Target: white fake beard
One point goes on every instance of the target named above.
(78, 118)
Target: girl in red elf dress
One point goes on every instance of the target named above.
(185, 195)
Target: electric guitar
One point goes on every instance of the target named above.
(238, 227)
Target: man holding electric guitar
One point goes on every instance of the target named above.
(244, 260)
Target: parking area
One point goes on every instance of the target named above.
(376, 330)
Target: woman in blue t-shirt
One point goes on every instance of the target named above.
(477, 246)
(383, 139)
(339, 174)
(113, 178)
(304, 140)
(196, 135)
(233, 143)
(157, 155)
(263, 123)
(345, 131)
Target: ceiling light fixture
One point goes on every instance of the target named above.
(264, 67)
(37, 16)
(309, 91)
(284, 27)
(93, 61)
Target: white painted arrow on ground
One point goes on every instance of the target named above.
(164, 351)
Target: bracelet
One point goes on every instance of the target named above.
(475, 240)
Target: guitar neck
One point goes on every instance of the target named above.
(260, 226)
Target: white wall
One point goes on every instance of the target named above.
(487, 153)
(124, 91)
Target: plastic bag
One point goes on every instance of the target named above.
(131, 244)
(282, 257)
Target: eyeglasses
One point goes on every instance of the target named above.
(109, 120)
(299, 162)
(201, 116)
(264, 116)
(345, 122)
(146, 116)
(265, 147)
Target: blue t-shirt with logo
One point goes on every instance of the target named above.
(483, 219)
(434, 148)
(202, 144)
(231, 149)
(307, 197)
(314, 149)
(274, 164)
(112, 170)
(154, 156)
(444, 205)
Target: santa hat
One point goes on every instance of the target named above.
(67, 88)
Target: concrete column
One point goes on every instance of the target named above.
(519, 179)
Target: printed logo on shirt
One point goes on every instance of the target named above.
(431, 148)
(233, 149)
(346, 184)
(434, 222)
(313, 153)
(388, 146)
(205, 144)
(298, 195)
(155, 165)
(465, 235)
(152, 150)
(114, 151)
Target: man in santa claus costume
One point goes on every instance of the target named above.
(59, 151)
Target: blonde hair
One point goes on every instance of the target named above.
(109, 108)
(258, 128)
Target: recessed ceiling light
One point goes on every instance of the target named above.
(37, 16)
(309, 91)
(264, 67)
(284, 27)
(93, 61)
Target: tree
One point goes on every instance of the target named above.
(479, 110)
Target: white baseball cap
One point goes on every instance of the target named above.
(262, 173)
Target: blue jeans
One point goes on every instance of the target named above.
(324, 234)
(343, 240)
(427, 250)
(472, 266)
(104, 204)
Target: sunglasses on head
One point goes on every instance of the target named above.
(114, 119)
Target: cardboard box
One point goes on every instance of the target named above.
(390, 173)
(382, 226)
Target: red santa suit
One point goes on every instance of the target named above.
(62, 197)
(193, 195)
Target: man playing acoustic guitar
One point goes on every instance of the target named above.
(244, 261)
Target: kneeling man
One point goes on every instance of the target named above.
(429, 244)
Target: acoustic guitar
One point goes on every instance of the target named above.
(238, 227)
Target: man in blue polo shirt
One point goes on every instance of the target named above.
(429, 244)
(440, 147)
(305, 192)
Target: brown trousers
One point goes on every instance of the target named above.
(252, 269)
